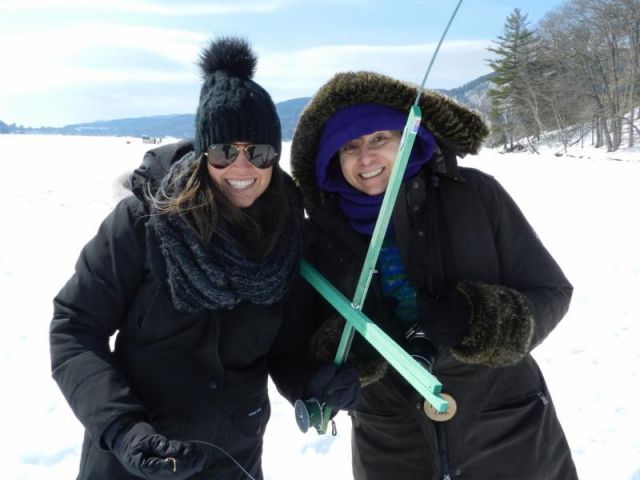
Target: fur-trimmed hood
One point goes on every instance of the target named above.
(458, 128)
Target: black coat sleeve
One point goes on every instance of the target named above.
(528, 267)
(510, 319)
(88, 310)
(290, 364)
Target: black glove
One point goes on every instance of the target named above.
(337, 387)
(147, 454)
(444, 318)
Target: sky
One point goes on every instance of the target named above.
(73, 61)
(584, 207)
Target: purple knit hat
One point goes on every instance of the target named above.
(352, 122)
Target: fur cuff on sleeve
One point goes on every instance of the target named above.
(324, 345)
(501, 326)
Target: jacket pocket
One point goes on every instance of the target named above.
(508, 428)
(517, 403)
(381, 424)
(251, 418)
(519, 435)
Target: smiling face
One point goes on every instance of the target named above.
(366, 161)
(241, 182)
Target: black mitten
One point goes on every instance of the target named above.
(444, 318)
(147, 454)
(337, 387)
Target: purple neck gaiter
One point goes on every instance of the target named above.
(352, 122)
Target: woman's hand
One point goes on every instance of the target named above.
(337, 387)
(147, 454)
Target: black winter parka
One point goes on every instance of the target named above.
(192, 376)
(450, 230)
(456, 228)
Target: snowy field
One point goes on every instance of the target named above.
(586, 210)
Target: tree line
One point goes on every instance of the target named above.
(577, 75)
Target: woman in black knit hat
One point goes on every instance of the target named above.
(192, 272)
(462, 283)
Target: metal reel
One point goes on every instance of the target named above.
(309, 414)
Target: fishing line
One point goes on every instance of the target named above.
(435, 54)
(222, 450)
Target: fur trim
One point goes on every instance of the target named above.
(324, 344)
(233, 55)
(501, 327)
(460, 128)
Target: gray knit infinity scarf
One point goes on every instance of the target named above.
(219, 276)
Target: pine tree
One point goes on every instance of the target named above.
(512, 99)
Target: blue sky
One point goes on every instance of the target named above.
(71, 61)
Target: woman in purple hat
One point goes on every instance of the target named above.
(462, 283)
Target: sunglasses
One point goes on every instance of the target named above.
(221, 155)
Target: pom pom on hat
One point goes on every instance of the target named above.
(233, 55)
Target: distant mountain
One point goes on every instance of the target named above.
(179, 126)
(289, 112)
(472, 94)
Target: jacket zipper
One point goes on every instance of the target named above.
(443, 449)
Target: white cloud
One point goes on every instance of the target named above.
(52, 65)
(149, 7)
(301, 72)
(45, 59)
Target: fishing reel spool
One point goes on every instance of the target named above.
(311, 413)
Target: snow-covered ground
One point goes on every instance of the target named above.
(586, 210)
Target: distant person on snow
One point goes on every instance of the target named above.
(462, 282)
(192, 272)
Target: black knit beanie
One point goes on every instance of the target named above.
(233, 108)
